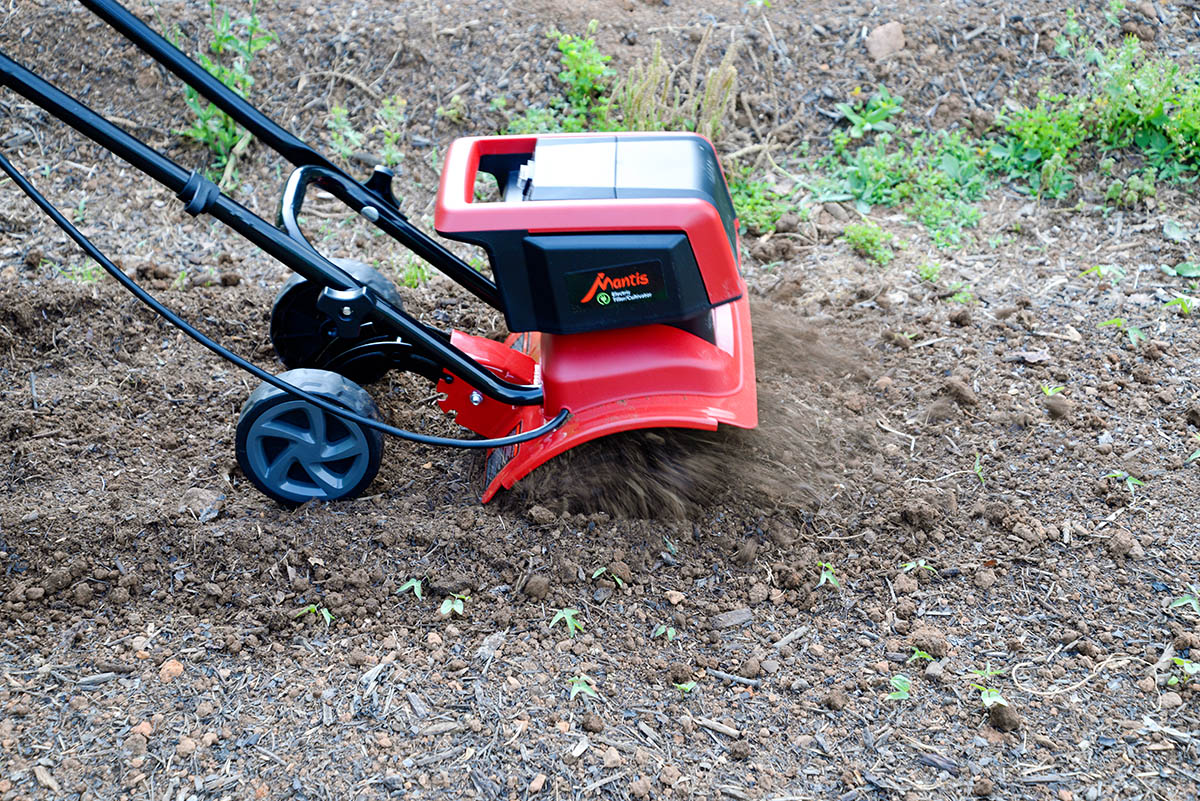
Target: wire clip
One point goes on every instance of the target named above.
(198, 194)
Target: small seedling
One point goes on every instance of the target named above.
(600, 572)
(1104, 271)
(663, 630)
(1184, 304)
(454, 605)
(1048, 390)
(1130, 482)
(1187, 667)
(828, 576)
(978, 469)
(1134, 333)
(582, 684)
(873, 117)
(901, 684)
(962, 293)
(567, 616)
(870, 241)
(1196, 453)
(412, 585)
(987, 672)
(990, 696)
(929, 272)
(919, 654)
(313, 609)
(1191, 599)
(918, 564)
(685, 688)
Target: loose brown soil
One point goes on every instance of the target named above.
(906, 443)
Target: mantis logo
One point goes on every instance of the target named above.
(605, 282)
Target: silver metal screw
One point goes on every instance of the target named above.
(347, 311)
(370, 212)
(476, 398)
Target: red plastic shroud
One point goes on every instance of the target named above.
(652, 376)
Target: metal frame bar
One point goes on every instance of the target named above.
(296, 253)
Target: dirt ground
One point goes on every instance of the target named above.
(153, 650)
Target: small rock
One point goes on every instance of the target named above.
(35, 593)
(537, 587)
(45, 779)
(1170, 700)
(983, 787)
(1059, 408)
(640, 787)
(204, 709)
(961, 392)
(788, 223)
(751, 668)
(593, 723)
(675, 597)
(358, 657)
(170, 670)
(1121, 543)
(886, 40)
(734, 617)
(935, 670)
(135, 744)
(931, 641)
(770, 666)
(382, 739)
(542, 516)
(539, 781)
(985, 579)
(740, 749)
(83, 594)
(186, 747)
(758, 593)
(835, 700)
(1147, 684)
(669, 775)
(144, 728)
(904, 584)
(1004, 717)
(202, 504)
(962, 317)
(612, 758)
(817, 650)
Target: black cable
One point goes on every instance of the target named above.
(145, 297)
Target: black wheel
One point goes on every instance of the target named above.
(295, 452)
(304, 336)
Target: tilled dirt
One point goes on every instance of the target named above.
(161, 634)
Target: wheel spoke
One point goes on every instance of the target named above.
(277, 471)
(316, 423)
(285, 430)
(323, 477)
(341, 449)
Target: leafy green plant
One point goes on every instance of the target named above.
(828, 576)
(232, 47)
(392, 115)
(454, 604)
(412, 585)
(962, 293)
(758, 205)
(569, 620)
(1135, 334)
(1106, 271)
(1196, 453)
(1187, 669)
(987, 671)
(343, 137)
(990, 696)
(1189, 599)
(582, 683)
(617, 579)
(685, 688)
(663, 630)
(977, 468)
(870, 241)
(916, 564)
(901, 685)
(416, 273)
(873, 116)
(1049, 391)
(1182, 303)
(454, 111)
(919, 654)
(929, 272)
(86, 273)
(1131, 482)
(313, 609)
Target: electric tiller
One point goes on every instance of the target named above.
(616, 267)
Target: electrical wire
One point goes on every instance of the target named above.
(174, 319)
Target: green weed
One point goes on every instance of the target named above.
(663, 630)
(919, 654)
(1135, 334)
(1190, 599)
(412, 585)
(1131, 482)
(901, 685)
(454, 604)
(758, 205)
(569, 620)
(828, 576)
(929, 272)
(582, 683)
(874, 115)
(232, 47)
(1182, 303)
(685, 688)
(870, 241)
(313, 609)
(344, 139)
(1048, 390)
